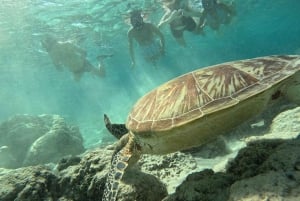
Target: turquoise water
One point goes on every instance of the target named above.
(30, 84)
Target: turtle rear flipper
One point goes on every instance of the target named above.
(117, 130)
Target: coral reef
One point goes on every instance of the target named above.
(76, 178)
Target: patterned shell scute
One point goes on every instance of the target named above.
(201, 92)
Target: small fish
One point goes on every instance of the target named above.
(3, 148)
(101, 57)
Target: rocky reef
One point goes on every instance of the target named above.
(76, 178)
(264, 167)
(31, 140)
(264, 170)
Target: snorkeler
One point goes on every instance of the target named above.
(179, 15)
(68, 55)
(215, 13)
(144, 33)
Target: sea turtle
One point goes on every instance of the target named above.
(198, 106)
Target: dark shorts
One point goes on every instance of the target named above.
(151, 51)
(188, 23)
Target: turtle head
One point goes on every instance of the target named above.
(127, 146)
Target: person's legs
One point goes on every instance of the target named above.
(178, 35)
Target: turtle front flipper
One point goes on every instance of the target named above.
(117, 130)
(116, 172)
(125, 155)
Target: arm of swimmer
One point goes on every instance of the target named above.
(130, 45)
(202, 19)
(166, 18)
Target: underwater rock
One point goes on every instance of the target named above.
(76, 178)
(285, 125)
(288, 120)
(171, 169)
(204, 185)
(84, 179)
(29, 183)
(249, 159)
(87, 180)
(32, 140)
(277, 177)
(273, 185)
(264, 170)
(142, 186)
(59, 141)
(19, 132)
(67, 161)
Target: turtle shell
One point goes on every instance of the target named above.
(197, 94)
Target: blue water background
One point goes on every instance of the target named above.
(30, 84)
